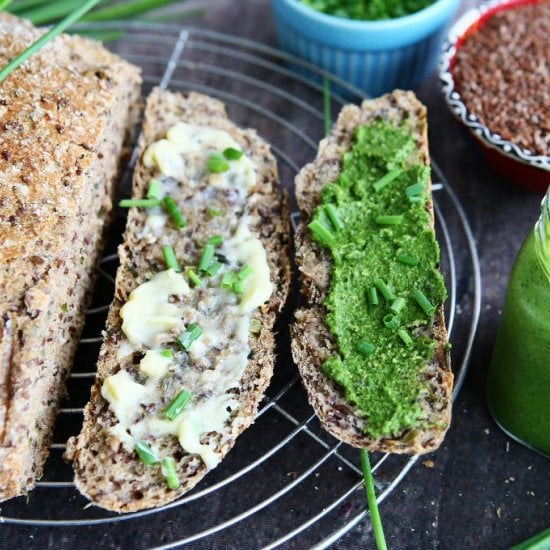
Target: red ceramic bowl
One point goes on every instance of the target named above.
(520, 165)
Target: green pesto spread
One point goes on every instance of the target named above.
(379, 367)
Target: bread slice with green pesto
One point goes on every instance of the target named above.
(370, 340)
(189, 344)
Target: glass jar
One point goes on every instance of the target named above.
(518, 388)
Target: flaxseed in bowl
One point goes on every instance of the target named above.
(495, 73)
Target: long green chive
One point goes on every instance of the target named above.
(365, 348)
(177, 404)
(244, 273)
(397, 305)
(415, 190)
(387, 179)
(238, 287)
(321, 233)
(207, 257)
(232, 154)
(216, 240)
(255, 326)
(389, 220)
(213, 268)
(145, 452)
(45, 38)
(540, 541)
(167, 353)
(213, 213)
(371, 498)
(391, 321)
(332, 213)
(170, 258)
(326, 104)
(139, 203)
(192, 333)
(424, 303)
(126, 10)
(407, 260)
(168, 469)
(4, 4)
(405, 336)
(385, 290)
(217, 164)
(154, 191)
(194, 278)
(172, 209)
(372, 295)
(228, 279)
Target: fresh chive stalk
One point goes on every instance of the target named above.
(397, 305)
(326, 105)
(170, 258)
(154, 191)
(332, 213)
(145, 452)
(389, 219)
(232, 154)
(217, 164)
(391, 321)
(372, 296)
(541, 541)
(168, 469)
(139, 203)
(385, 290)
(321, 233)
(126, 9)
(194, 278)
(213, 268)
(407, 259)
(192, 333)
(177, 404)
(174, 212)
(216, 240)
(387, 179)
(244, 273)
(424, 303)
(4, 4)
(405, 336)
(365, 348)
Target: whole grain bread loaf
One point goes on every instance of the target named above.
(63, 118)
(107, 472)
(312, 342)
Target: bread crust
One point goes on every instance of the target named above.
(312, 342)
(63, 118)
(114, 478)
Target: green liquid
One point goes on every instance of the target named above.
(518, 389)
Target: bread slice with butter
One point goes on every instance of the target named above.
(187, 354)
(419, 425)
(63, 118)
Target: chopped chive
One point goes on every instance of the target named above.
(415, 190)
(213, 213)
(172, 209)
(332, 213)
(168, 468)
(228, 279)
(255, 326)
(217, 164)
(389, 220)
(213, 268)
(373, 296)
(397, 305)
(185, 339)
(238, 287)
(405, 336)
(145, 452)
(139, 203)
(178, 404)
(391, 321)
(167, 353)
(244, 273)
(206, 257)
(407, 260)
(365, 348)
(232, 154)
(195, 279)
(154, 191)
(387, 179)
(321, 233)
(385, 290)
(424, 303)
(170, 258)
(215, 240)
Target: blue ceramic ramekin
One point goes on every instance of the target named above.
(375, 56)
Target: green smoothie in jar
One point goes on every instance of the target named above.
(518, 388)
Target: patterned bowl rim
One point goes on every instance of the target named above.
(454, 100)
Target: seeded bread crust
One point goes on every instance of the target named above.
(105, 472)
(312, 342)
(63, 118)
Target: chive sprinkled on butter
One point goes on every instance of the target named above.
(255, 326)
(217, 164)
(228, 279)
(174, 212)
(365, 348)
(332, 213)
(391, 321)
(385, 290)
(321, 233)
(194, 278)
(405, 336)
(387, 179)
(232, 154)
(207, 257)
(244, 273)
(192, 333)
(385, 219)
(372, 296)
(424, 303)
(168, 469)
(167, 353)
(139, 203)
(216, 240)
(213, 212)
(407, 259)
(170, 258)
(213, 268)
(154, 191)
(145, 452)
(177, 404)
(238, 287)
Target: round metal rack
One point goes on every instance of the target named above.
(285, 459)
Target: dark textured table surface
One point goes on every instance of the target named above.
(483, 491)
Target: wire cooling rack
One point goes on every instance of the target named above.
(286, 483)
